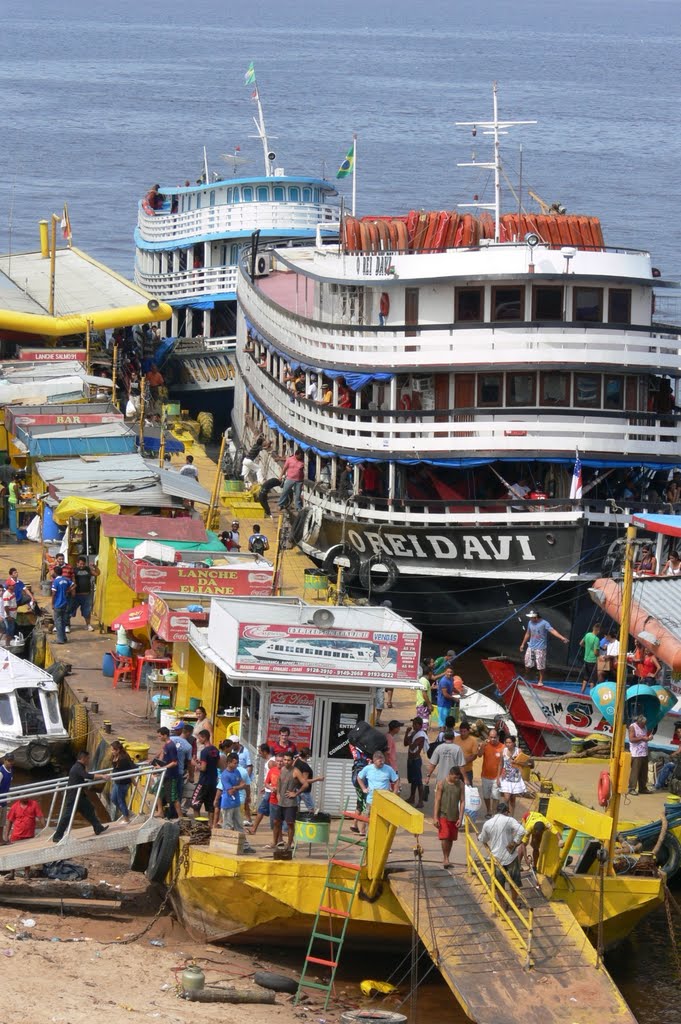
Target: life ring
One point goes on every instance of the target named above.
(405, 401)
(386, 581)
(342, 551)
(162, 851)
(604, 789)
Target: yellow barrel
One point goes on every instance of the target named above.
(137, 751)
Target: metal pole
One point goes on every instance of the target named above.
(114, 371)
(88, 328)
(53, 262)
(354, 173)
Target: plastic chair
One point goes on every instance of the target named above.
(233, 729)
(124, 668)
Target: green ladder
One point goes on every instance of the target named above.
(333, 915)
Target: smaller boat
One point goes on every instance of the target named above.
(31, 725)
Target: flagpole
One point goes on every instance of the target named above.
(205, 164)
(354, 174)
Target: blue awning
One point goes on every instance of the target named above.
(202, 302)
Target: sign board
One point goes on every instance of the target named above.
(143, 577)
(59, 419)
(52, 355)
(172, 624)
(293, 710)
(311, 651)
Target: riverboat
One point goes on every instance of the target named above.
(31, 726)
(483, 399)
(188, 240)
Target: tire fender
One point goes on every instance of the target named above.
(275, 982)
(162, 851)
(672, 847)
(385, 581)
(342, 551)
(38, 753)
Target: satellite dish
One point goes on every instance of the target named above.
(322, 618)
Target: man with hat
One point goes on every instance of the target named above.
(536, 640)
(8, 606)
(234, 536)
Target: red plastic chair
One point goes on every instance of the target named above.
(124, 668)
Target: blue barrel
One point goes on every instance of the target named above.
(108, 665)
(50, 529)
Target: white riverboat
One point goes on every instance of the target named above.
(188, 241)
(450, 366)
(31, 725)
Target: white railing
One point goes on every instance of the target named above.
(423, 435)
(218, 221)
(583, 347)
(188, 283)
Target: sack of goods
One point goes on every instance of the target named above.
(472, 802)
(368, 739)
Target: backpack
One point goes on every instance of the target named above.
(257, 544)
(367, 739)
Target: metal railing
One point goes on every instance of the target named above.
(146, 787)
(507, 904)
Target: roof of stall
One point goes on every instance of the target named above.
(77, 439)
(128, 480)
(154, 528)
(32, 382)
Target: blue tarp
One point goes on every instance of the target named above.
(206, 302)
(59, 447)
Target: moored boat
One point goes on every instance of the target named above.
(31, 726)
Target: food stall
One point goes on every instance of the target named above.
(313, 669)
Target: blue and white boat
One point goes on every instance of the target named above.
(188, 241)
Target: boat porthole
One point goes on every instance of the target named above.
(550, 539)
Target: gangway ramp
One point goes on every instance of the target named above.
(80, 842)
(486, 966)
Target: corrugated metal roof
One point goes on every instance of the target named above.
(183, 486)
(154, 527)
(106, 468)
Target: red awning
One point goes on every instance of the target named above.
(154, 528)
(669, 525)
(134, 618)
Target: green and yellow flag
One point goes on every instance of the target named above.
(348, 164)
(249, 77)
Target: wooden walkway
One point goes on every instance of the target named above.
(481, 961)
(80, 842)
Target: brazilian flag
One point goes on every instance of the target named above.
(348, 164)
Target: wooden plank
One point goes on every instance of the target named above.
(68, 903)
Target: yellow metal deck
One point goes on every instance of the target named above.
(483, 963)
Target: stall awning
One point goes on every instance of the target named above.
(181, 485)
(669, 525)
(80, 507)
(133, 618)
(154, 528)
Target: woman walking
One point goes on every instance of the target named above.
(510, 781)
(122, 764)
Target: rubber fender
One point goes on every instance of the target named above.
(275, 982)
(344, 550)
(162, 851)
(38, 753)
(669, 864)
(369, 1016)
(383, 582)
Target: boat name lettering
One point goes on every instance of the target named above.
(556, 708)
(469, 547)
(579, 714)
(378, 265)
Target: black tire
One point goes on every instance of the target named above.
(139, 857)
(342, 551)
(384, 581)
(276, 982)
(669, 856)
(367, 1016)
(38, 753)
(162, 851)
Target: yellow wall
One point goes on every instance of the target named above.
(189, 666)
(113, 596)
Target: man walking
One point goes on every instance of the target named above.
(591, 643)
(470, 747)
(289, 785)
(168, 759)
(502, 835)
(491, 759)
(82, 596)
(6, 779)
(445, 695)
(78, 776)
(449, 810)
(448, 755)
(377, 775)
(415, 740)
(230, 804)
(536, 640)
(62, 590)
(639, 738)
(8, 607)
(292, 478)
(189, 469)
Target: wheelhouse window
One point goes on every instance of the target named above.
(521, 389)
(212, 198)
(294, 194)
(555, 389)
(588, 390)
(237, 195)
(547, 303)
(198, 200)
(6, 716)
(230, 195)
(619, 306)
(469, 304)
(490, 389)
(508, 304)
(279, 194)
(307, 195)
(614, 392)
(263, 194)
(248, 194)
(587, 305)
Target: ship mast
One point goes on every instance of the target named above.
(259, 122)
(495, 127)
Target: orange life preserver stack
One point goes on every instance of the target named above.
(604, 789)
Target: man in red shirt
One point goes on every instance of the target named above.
(283, 745)
(21, 820)
(269, 792)
(292, 478)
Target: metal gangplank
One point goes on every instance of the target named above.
(515, 954)
(145, 787)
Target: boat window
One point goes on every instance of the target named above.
(263, 194)
(237, 195)
(294, 194)
(508, 303)
(198, 200)
(278, 194)
(307, 195)
(469, 303)
(234, 254)
(588, 390)
(490, 388)
(316, 195)
(230, 195)
(548, 303)
(614, 392)
(619, 306)
(521, 388)
(587, 304)
(247, 194)
(555, 389)
(6, 716)
(212, 198)
(52, 708)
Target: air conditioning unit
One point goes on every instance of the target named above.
(263, 264)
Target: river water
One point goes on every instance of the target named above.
(101, 100)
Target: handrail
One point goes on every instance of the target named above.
(499, 897)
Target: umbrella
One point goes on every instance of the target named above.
(134, 618)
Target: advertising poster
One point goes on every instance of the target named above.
(293, 710)
(143, 578)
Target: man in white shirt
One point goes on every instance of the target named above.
(612, 650)
(447, 755)
(502, 834)
(189, 469)
(312, 390)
